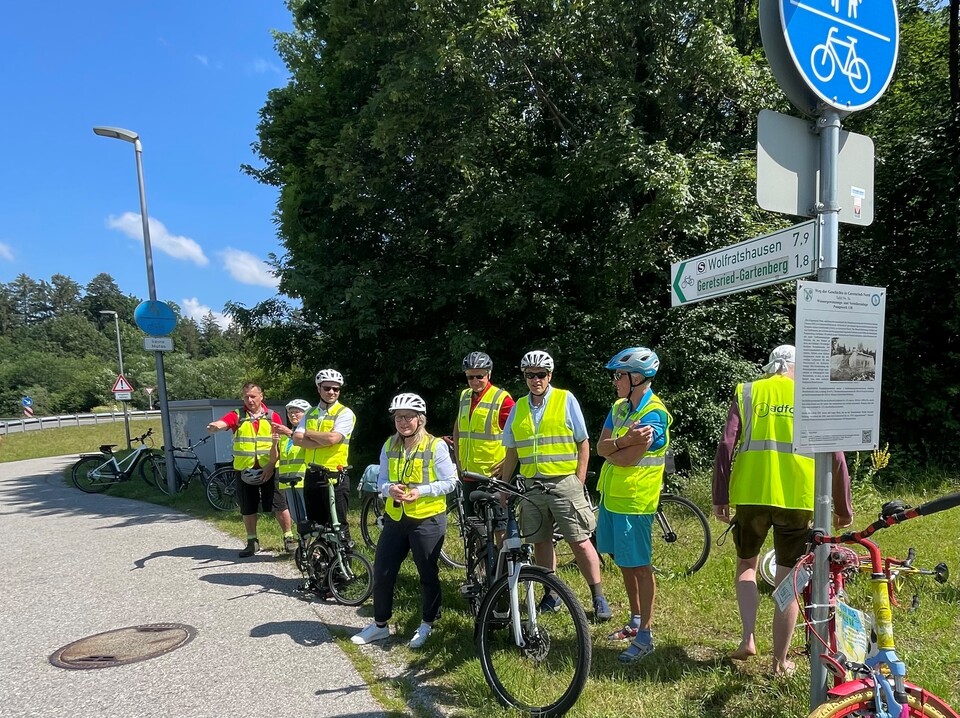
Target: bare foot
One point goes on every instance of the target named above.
(785, 669)
(742, 652)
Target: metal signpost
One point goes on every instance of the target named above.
(776, 257)
(843, 53)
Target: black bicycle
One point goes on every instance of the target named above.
(188, 456)
(324, 554)
(537, 663)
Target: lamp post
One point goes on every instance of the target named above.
(118, 133)
(126, 416)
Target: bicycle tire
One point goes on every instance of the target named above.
(371, 518)
(555, 659)
(681, 537)
(452, 551)
(859, 703)
(159, 467)
(221, 490)
(145, 469)
(80, 475)
(351, 583)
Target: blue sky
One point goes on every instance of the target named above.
(189, 78)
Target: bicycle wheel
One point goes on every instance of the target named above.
(860, 703)
(159, 467)
(146, 471)
(546, 675)
(91, 484)
(222, 489)
(681, 537)
(351, 582)
(452, 553)
(371, 519)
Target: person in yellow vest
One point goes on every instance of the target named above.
(634, 443)
(324, 433)
(769, 486)
(547, 435)
(291, 464)
(481, 416)
(415, 475)
(255, 455)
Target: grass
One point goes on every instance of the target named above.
(71, 439)
(696, 619)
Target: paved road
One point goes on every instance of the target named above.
(76, 564)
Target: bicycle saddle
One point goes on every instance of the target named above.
(107, 448)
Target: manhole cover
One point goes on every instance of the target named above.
(123, 645)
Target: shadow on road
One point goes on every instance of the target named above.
(204, 554)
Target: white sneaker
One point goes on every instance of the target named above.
(371, 633)
(420, 637)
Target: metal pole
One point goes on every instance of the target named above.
(152, 288)
(126, 415)
(828, 212)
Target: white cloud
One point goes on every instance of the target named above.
(177, 246)
(247, 268)
(262, 67)
(6, 252)
(203, 60)
(195, 310)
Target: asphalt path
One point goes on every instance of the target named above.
(77, 564)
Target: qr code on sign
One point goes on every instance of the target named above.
(867, 437)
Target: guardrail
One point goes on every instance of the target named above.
(37, 423)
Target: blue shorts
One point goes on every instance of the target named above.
(626, 537)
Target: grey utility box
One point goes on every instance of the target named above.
(188, 421)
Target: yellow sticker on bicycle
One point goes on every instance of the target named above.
(853, 632)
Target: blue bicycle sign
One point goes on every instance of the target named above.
(845, 50)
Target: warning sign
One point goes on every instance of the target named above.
(121, 384)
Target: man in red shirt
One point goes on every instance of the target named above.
(481, 417)
(255, 456)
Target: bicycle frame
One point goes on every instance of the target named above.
(870, 673)
(122, 469)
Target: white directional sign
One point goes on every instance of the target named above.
(158, 344)
(123, 396)
(776, 257)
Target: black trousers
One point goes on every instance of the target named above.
(318, 504)
(423, 538)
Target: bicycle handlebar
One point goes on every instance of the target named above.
(943, 503)
(518, 490)
(143, 437)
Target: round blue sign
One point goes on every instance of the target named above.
(155, 318)
(845, 50)
(27, 401)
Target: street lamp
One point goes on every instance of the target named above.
(126, 416)
(118, 133)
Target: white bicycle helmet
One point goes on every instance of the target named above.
(254, 477)
(411, 402)
(537, 359)
(329, 375)
(301, 404)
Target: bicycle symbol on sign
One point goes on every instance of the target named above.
(687, 281)
(825, 61)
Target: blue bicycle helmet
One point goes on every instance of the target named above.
(638, 360)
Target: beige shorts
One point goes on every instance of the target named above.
(566, 505)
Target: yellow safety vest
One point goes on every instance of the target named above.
(634, 489)
(251, 447)
(479, 444)
(333, 456)
(291, 464)
(551, 450)
(766, 472)
(417, 469)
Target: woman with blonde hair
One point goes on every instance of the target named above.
(416, 473)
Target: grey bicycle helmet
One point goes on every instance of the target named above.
(477, 360)
(254, 477)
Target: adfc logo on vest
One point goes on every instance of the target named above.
(764, 409)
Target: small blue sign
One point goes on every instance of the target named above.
(27, 402)
(155, 318)
(845, 50)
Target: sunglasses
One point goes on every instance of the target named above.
(330, 388)
(535, 374)
(475, 377)
(618, 375)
